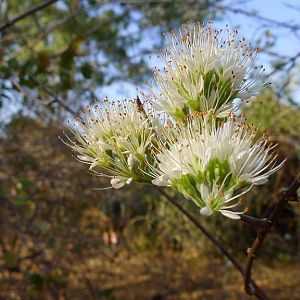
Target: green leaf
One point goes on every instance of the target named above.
(86, 70)
(75, 45)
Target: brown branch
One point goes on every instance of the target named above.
(254, 221)
(263, 232)
(256, 290)
(26, 14)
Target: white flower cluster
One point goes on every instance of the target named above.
(213, 163)
(187, 136)
(205, 70)
(118, 137)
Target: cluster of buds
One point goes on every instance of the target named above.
(186, 135)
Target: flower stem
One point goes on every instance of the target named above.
(257, 291)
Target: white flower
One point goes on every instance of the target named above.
(213, 163)
(205, 70)
(118, 182)
(116, 136)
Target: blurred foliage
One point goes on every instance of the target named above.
(273, 117)
(71, 49)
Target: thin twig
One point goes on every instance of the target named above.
(291, 62)
(293, 27)
(60, 102)
(26, 14)
(263, 232)
(257, 290)
(55, 98)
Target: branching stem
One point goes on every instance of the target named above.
(257, 291)
(263, 232)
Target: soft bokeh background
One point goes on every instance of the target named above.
(60, 239)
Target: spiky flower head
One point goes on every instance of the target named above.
(213, 163)
(204, 152)
(117, 137)
(205, 70)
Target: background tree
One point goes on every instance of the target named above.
(70, 50)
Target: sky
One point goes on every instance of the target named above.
(278, 10)
(287, 44)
